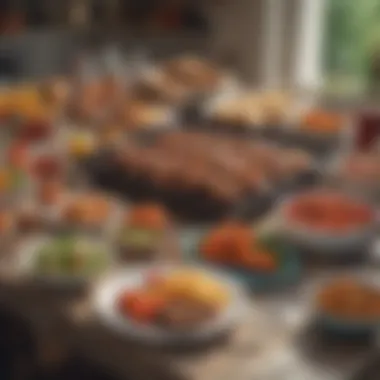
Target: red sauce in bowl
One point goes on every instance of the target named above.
(328, 212)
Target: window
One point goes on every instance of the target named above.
(351, 51)
(336, 45)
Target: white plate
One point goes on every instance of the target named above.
(323, 241)
(106, 295)
(228, 83)
(26, 256)
(232, 93)
(169, 119)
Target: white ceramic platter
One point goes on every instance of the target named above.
(108, 291)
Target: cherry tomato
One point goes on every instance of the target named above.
(141, 306)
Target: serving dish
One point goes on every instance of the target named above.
(249, 114)
(86, 211)
(281, 270)
(179, 79)
(147, 233)
(318, 130)
(186, 82)
(63, 260)
(107, 293)
(337, 235)
(349, 306)
(202, 176)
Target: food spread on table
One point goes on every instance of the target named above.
(74, 168)
(202, 175)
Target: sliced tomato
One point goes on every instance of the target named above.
(140, 305)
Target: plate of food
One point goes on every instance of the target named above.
(145, 229)
(197, 74)
(64, 259)
(170, 304)
(259, 263)
(137, 115)
(91, 212)
(262, 113)
(328, 220)
(322, 123)
(185, 81)
(349, 305)
(318, 129)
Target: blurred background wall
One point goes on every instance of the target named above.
(331, 46)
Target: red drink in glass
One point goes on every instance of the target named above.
(367, 128)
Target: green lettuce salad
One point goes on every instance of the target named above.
(71, 256)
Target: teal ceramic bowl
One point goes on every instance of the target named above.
(288, 273)
(347, 328)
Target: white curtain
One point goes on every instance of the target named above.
(308, 64)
